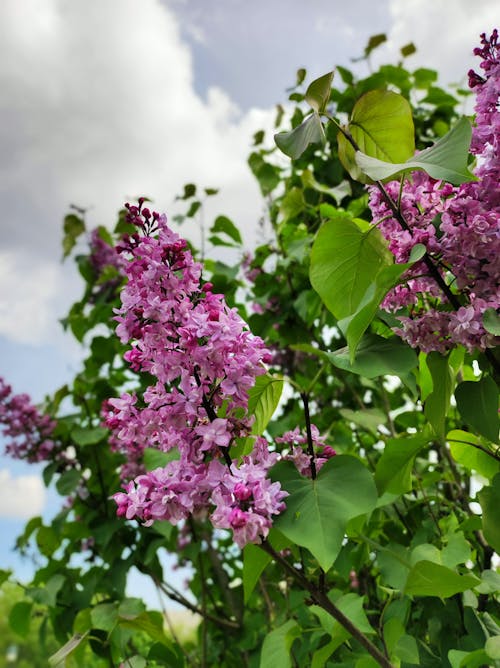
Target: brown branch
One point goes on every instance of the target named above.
(323, 601)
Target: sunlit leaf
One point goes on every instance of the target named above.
(277, 644)
(381, 124)
(318, 92)
(446, 160)
(427, 578)
(263, 399)
(345, 261)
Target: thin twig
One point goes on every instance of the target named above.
(310, 445)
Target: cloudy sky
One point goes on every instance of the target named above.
(103, 100)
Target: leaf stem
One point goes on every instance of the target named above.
(310, 445)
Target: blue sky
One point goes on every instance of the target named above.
(103, 101)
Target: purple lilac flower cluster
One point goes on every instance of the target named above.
(302, 460)
(28, 432)
(460, 229)
(205, 361)
(103, 255)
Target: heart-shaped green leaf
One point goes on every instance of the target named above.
(381, 124)
(317, 511)
(446, 160)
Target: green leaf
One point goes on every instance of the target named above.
(322, 654)
(68, 481)
(374, 42)
(193, 209)
(294, 143)
(492, 647)
(263, 399)
(189, 191)
(491, 321)
(136, 661)
(317, 511)
(456, 551)
(254, 562)
(343, 189)
(408, 50)
(88, 436)
(446, 160)
(226, 226)
(73, 227)
(398, 643)
(318, 92)
(429, 579)
(292, 204)
(344, 263)
(104, 616)
(150, 623)
(352, 606)
(393, 470)
(53, 587)
(424, 77)
(164, 528)
(382, 126)
(376, 356)
(47, 540)
(58, 660)
(154, 458)
(301, 75)
(354, 326)
(20, 617)
(489, 498)
(266, 174)
(438, 401)
(490, 582)
(130, 608)
(4, 576)
(368, 418)
(477, 402)
(407, 649)
(277, 644)
(475, 659)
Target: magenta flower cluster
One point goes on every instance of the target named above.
(204, 361)
(27, 431)
(460, 228)
(296, 440)
(103, 254)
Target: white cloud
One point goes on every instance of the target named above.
(444, 33)
(99, 107)
(21, 497)
(29, 284)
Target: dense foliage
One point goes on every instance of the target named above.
(307, 429)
